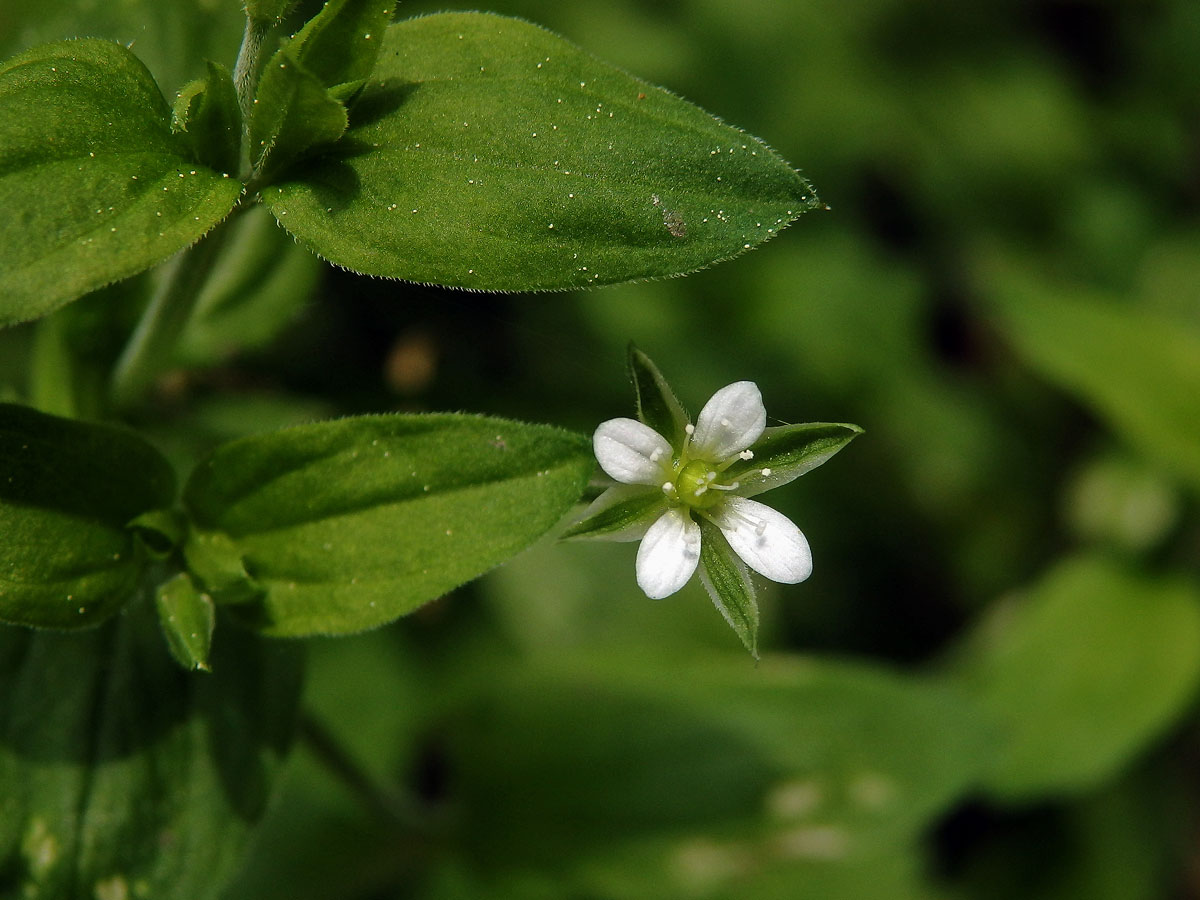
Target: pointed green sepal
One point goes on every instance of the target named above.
(293, 112)
(339, 44)
(161, 531)
(206, 114)
(728, 583)
(215, 560)
(622, 513)
(187, 616)
(657, 405)
(787, 452)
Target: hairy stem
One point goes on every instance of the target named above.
(153, 341)
(249, 62)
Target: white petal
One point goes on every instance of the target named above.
(732, 420)
(766, 540)
(668, 554)
(631, 452)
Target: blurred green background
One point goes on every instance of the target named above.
(986, 690)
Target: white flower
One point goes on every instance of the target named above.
(689, 484)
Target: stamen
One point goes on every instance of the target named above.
(700, 490)
(724, 487)
(747, 454)
(690, 429)
(710, 475)
(656, 455)
(740, 518)
(766, 473)
(668, 487)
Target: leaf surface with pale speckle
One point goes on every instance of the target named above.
(93, 184)
(488, 153)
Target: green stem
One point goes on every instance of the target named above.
(153, 341)
(249, 62)
(52, 373)
(388, 804)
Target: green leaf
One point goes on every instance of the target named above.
(488, 153)
(293, 112)
(728, 583)
(94, 185)
(787, 452)
(138, 780)
(207, 114)
(1137, 369)
(346, 525)
(1095, 664)
(621, 513)
(340, 43)
(188, 617)
(67, 559)
(657, 405)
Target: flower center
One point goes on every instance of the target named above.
(698, 484)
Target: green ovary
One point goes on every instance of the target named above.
(698, 484)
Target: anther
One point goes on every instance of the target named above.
(747, 454)
(690, 429)
(766, 473)
(725, 487)
(668, 487)
(700, 490)
(656, 454)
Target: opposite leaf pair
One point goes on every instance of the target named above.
(684, 491)
(328, 528)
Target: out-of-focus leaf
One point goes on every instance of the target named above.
(1136, 368)
(488, 153)
(349, 524)
(138, 779)
(813, 769)
(174, 39)
(1122, 502)
(1096, 663)
(67, 495)
(94, 185)
(259, 285)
